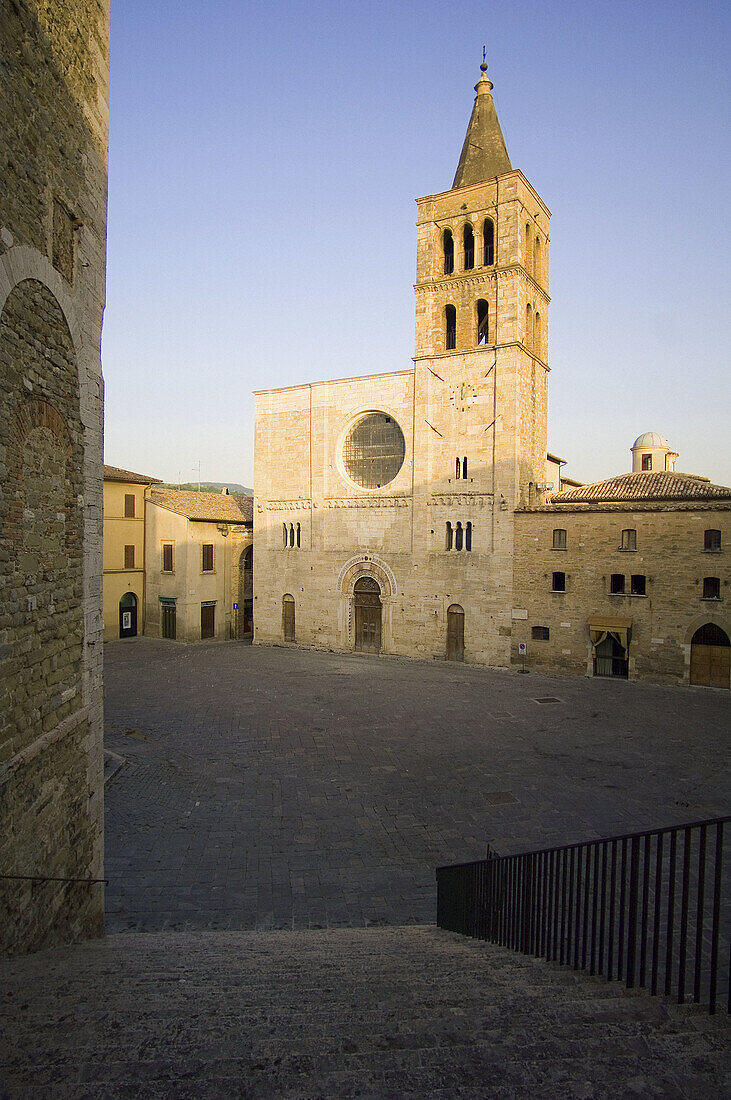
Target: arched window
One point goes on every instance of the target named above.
(458, 537)
(528, 257)
(468, 536)
(528, 325)
(488, 242)
(291, 534)
(464, 467)
(298, 535)
(450, 326)
(449, 536)
(469, 247)
(483, 323)
(457, 469)
(537, 333)
(537, 258)
(448, 245)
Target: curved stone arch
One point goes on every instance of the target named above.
(710, 616)
(23, 262)
(367, 565)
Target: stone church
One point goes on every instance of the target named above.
(395, 512)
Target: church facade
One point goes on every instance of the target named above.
(393, 512)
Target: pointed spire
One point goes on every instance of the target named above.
(484, 155)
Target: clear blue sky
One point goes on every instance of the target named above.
(264, 159)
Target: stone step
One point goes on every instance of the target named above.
(385, 1012)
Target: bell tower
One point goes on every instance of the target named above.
(481, 348)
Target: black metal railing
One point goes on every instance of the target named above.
(650, 909)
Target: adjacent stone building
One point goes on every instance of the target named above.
(54, 61)
(198, 565)
(124, 552)
(418, 512)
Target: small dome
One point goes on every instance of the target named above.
(650, 439)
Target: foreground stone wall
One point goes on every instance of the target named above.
(53, 117)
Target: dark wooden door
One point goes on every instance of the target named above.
(367, 601)
(288, 618)
(128, 616)
(208, 620)
(710, 665)
(167, 620)
(455, 633)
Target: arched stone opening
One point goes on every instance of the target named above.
(710, 656)
(455, 632)
(367, 613)
(128, 616)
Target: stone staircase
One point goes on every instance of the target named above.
(377, 1012)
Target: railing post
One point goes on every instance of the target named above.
(634, 869)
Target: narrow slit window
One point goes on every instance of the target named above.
(558, 582)
(464, 468)
(285, 535)
(616, 584)
(528, 325)
(291, 534)
(537, 258)
(711, 588)
(528, 251)
(299, 536)
(450, 325)
(457, 469)
(448, 252)
(469, 248)
(458, 537)
(468, 536)
(488, 235)
(537, 333)
(450, 536)
(483, 322)
(638, 584)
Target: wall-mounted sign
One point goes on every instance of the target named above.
(236, 607)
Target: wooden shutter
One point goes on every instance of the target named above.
(129, 557)
(167, 557)
(129, 505)
(207, 557)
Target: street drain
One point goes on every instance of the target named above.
(548, 699)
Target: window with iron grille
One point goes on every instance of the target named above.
(129, 557)
(374, 450)
(207, 557)
(540, 633)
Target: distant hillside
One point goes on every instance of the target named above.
(210, 486)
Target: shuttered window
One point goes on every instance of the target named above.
(168, 565)
(129, 557)
(207, 557)
(129, 505)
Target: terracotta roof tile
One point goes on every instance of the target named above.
(114, 473)
(646, 485)
(220, 507)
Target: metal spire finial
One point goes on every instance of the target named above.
(483, 66)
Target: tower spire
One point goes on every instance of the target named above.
(484, 155)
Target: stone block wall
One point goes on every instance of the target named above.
(53, 117)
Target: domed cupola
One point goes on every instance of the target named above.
(650, 452)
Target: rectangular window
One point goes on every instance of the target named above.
(629, 540)
(616, 583)
(559, 539)
(129, 505)
(540, 633)
(207, 557)
(558, 582)
(168, 561)
(129, 557)
(647, 462)
(712, 540)
(711, 588)
(638, 584)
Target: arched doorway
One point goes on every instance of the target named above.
(367, 604)
(710, 656)
(128, 616)
(455, 633)
(288, 617)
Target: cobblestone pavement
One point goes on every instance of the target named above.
(370, 1013)
(265, 787)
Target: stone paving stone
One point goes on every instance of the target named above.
(267, 787)
(394, 1012)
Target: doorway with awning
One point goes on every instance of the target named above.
(610, 638)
